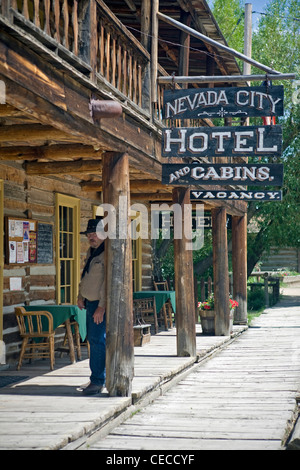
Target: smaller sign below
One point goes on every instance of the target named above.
(237, 195)
(203, 103)
(222, 173)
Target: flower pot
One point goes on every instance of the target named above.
(207, 318)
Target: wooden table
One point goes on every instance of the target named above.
(64, 314)
(161, 298)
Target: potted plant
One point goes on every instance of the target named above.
(207, 314)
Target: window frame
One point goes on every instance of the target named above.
(62, 200)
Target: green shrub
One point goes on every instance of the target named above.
(256, 298)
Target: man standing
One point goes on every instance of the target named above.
(92, 296)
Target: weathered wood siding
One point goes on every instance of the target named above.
(285, 258)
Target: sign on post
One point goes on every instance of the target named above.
(222, 174)
(222, 102)
(230, 195)
(230, 141)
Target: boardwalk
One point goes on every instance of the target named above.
(241, 393)
(243, 398)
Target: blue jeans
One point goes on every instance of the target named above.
(96, 335)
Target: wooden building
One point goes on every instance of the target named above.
(58, 161)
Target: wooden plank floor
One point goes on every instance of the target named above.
(243, 398)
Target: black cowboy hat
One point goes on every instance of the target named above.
(92, 226)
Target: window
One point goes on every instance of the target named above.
(67, 248)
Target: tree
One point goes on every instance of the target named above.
(276, 43)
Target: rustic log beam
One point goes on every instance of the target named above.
(146, 24)
(221, 275)
(9, 111)
(67, 167)
(119, 317)
(225, 78)
(154, 51)
(184, 284)
(32, 133)
(49, 152)
(135, 185)
(239, 267)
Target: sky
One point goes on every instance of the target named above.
(257, 5)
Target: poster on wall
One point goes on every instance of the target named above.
(28, 241)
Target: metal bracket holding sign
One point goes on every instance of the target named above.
(223, 102)
(223, 174)
(230, 141)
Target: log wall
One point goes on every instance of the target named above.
(34, 197)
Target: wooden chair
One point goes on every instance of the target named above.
(145, 310)
(31, 329)
(167, 307)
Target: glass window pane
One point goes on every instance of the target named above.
(65, 245)
(62, 273)
(70, 227)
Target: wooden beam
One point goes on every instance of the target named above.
(146, 24)
(221, 275)
(135, 185)
(239, 267)
(184, 56)
(226, 78)
(154, 51)
(9, 111)
(119, 317)
(49, 152)
(32, 133)
(59, 168)
(184, 283)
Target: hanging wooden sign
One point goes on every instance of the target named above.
(223, 102)
(248, 195)
(227, 141)
(222, 173)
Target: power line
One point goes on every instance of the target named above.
(277, 16)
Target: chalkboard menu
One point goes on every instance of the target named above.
(28, 241)
(44, 243)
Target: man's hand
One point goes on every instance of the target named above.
(80, 303)
(98, 315)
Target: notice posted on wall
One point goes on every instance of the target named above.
(28, 241)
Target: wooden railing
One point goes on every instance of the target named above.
(121, 59)
(56, 18)
(87, 34)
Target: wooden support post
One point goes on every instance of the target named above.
(221, 275)
(146, 24)
(184, 53)
(154, 51)
(93, 38)
(184, 284)
(119, 317)
(239, 267)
